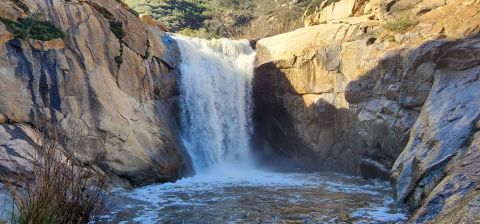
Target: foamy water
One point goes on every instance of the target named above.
(260, 197)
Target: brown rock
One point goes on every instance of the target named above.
(336, 11)
(55, 44)
(407, 101)
(78, 80)
(148, 19)
(5, 35)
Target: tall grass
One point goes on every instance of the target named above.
(59, 189)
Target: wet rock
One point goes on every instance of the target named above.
(373, 169)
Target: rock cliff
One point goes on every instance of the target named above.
(385, 89)
(109, 74)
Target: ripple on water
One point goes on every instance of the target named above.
(253, 197)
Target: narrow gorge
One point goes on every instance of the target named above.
(368, 114)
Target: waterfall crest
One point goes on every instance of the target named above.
(215, 100)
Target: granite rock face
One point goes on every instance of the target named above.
(337, 96)
(112, 75)
(446, 125)
(347, 94)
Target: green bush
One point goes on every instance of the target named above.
(400, 24)
(31, 27)
(117, 29)
(225, 18)
(118, 59)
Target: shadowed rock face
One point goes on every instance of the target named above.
(340, 96)
(122, 90)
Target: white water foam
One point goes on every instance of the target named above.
(382, 212)
(210, 190)
(215, 100)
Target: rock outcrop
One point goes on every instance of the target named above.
(111, 75)
(369, 91)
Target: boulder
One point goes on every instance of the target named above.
(456, 198)
(445, 124)
(148, 19)
(336, 96)
(335, 11)
(106, 83)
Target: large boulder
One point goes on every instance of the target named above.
(456, 198)
(325, 98)
(445, 125)
(111, 75)
(358, 98)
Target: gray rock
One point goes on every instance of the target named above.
(445, 124)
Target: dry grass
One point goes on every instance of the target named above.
(268, 26)
(59, 189)
(400, 24)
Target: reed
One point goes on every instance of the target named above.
(59, 189)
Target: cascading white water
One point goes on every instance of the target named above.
(215, 100)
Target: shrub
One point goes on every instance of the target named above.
(147, 51)
(118, 59)
(225, 18)
(32, 27)
(400, 24)
(117, 29)
(59, 189)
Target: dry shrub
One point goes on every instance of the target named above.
(269, 26)
(59, 189)
(400, 24)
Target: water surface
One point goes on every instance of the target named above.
(260, 197)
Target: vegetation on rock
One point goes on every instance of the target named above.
(32, 27)
(117, 30)
(227, 18)
(58, 189)
(400, 24)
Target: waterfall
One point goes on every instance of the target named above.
(215, 100)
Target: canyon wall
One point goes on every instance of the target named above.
(111, 76)
(386, 89)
